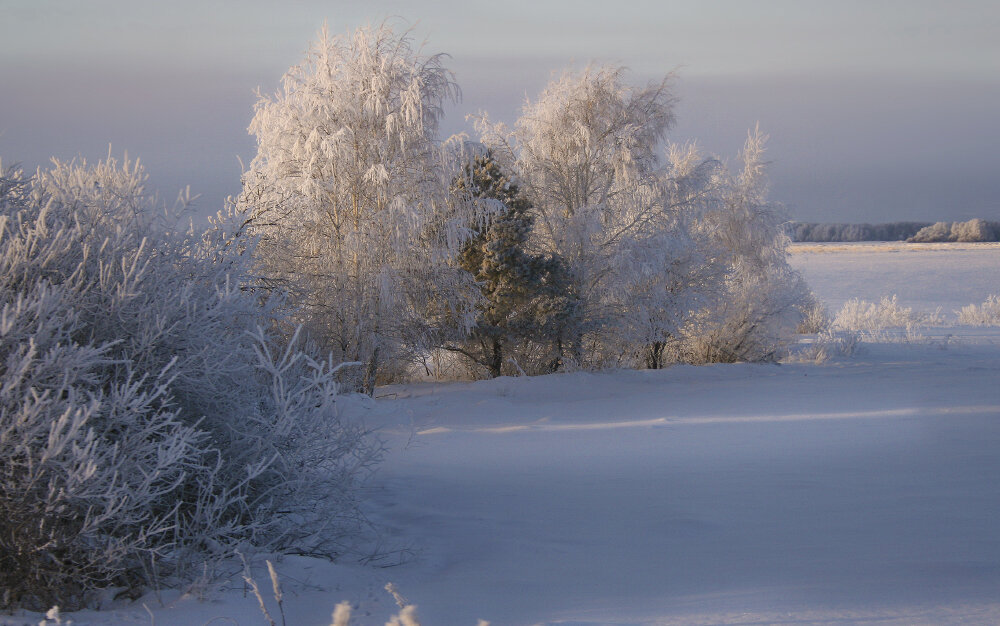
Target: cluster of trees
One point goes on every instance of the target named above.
(168, 396)
(822, 232)
(971, 231)
(913, 232)
(576, 238)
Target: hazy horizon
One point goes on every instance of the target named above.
(876, 113)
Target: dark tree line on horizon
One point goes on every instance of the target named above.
(914, 232)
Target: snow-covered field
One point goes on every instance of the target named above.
(860, 490)
(925, 276)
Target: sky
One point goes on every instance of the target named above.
(877, 111)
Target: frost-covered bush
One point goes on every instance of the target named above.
(861, 315)
(826, 345)
(753, 322)
(869, 318)
(815, 318)
(147, 419)
(985, 314)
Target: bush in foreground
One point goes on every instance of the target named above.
(148, 418)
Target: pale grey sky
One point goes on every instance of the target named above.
(877, 110)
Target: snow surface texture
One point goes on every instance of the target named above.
(860, 490)
(925, 276)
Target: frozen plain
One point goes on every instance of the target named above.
(861, 490)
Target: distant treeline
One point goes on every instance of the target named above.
(917, 232)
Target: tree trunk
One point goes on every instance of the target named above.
(654, 355)
(496, 359)
(371, 371)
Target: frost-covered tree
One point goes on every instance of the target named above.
(939, 231)
(527, 304)
(752, 299)
(349, 196)
(973, 230)
(672, 258)
(586, 155)
(148, 420)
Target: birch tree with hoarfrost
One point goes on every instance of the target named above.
(348, 195)
(750, 299)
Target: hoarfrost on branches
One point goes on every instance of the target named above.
(661, 252)
(585, 153)
(349, 196)
(754, 300)
(147, 421)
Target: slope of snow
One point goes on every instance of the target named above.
(634, 497)
(861, 490)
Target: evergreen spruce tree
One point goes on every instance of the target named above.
(527, 299)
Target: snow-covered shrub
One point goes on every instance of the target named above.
(868, 318)
(985, 314)
(826, 345)
(146, 420)
(885, 322)
(90, 466)
(815, 318)
(752, 323)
